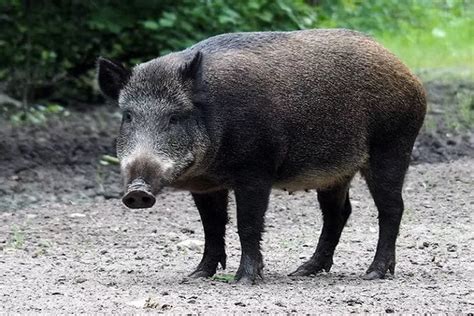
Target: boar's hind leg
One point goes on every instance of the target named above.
(388, 164)
(252, 202)
(336, 208)
(213, 211)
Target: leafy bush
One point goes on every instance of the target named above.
(49, 48)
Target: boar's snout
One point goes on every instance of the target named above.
(138, 199)
(142, 173)
(139, 195)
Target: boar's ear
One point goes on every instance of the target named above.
(190, 68)
(112, 77)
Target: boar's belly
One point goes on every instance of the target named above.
(315, 179)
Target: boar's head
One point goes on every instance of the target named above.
(162, 136)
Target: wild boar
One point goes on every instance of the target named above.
(249, 112)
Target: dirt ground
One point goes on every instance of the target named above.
(102, 257)
(68, 245)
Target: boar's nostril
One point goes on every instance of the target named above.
(130, 201)
(146, 200)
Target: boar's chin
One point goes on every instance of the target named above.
(186, 171)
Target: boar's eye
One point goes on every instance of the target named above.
(173, 119)
(127, 116)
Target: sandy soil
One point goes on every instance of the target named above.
(101, 257)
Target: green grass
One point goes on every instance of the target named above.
(17, 240)
(447, 43)
(226, 278)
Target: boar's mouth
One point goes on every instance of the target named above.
(185, 172)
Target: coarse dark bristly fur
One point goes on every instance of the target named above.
(251, 111)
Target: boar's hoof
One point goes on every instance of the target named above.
(249, 275)
(378, 270)
(373, 275)
(208, 266)
(313, 267)
(248, 279)
(201, 274)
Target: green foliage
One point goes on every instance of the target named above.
(108, 160)
(379, 16)
(36, 114)
(442, 36)
(423, 33)
(48, 48)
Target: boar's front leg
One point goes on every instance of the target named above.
(213, 211)
(252, 202)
